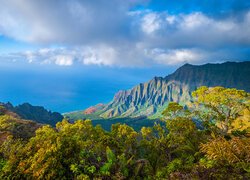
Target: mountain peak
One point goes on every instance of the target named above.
(228, 74)
(152, 97)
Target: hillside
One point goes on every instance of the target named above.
(12, 125)
(35, 113)
(150, 98)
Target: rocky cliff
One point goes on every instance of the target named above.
(151, 97)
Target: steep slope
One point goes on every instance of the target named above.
(12, 125)
(35, 113)
(229, 74)
(150, 98)
(146, 99)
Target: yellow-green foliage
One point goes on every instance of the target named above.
(10, 125)
(176, 150)
(242, 122)
(224, 105)
(235, 150)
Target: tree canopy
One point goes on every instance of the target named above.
(176, 149)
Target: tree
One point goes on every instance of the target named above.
(10, 152)
(227, 159)
(223, 104)
(235, 150)
(153, 151)
(181, 128)
(176, 150)
(183, 139)
(175, 110)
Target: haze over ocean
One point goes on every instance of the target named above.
(65, 89)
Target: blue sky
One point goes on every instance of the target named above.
(68, 55)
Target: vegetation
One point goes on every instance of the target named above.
(175, 149)
(35, 113)
(11, 124)
(135, 123)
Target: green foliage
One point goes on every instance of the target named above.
(174, 149)
(223, 105)
(2, 110)
(235, 150)
(16, 127)
(105, 169)
(174, 110)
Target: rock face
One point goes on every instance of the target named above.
(151, 97)
(93, 109)
(145, 99)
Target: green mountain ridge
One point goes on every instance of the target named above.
(35, 113)
(150, 98)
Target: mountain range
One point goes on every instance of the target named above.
(150, 98)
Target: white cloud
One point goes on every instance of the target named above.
(107, 56)
(171, 19)
(63, 60)
(73, 21)
(193, 30)
(194, 21)
(97, 55)
(175, 56)
(44, 51)
(150, 23)
(107, 33)
(101, 55)
(30, 57)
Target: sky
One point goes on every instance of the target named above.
(68, 55)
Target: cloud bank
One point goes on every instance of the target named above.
(117, 33)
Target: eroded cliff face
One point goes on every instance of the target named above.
(151, 97)
(147, 98)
